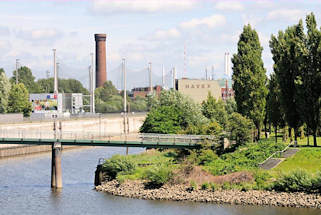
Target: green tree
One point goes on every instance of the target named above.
(309, 80)
(230, 106)
(249, 78)
(173, 114)
(215, 110)
(240, 128)
(289, 55)
(19, 100)
(273, 103)
(4, 91)
(25, 76)
(105, 92)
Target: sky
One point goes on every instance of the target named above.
(141, 31)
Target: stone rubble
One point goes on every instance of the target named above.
(136, 189)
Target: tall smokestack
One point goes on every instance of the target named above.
(101, 74)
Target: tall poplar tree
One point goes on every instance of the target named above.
(274, 113)
(289, 55)
(249, 78)
(309, 80)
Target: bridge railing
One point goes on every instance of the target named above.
(90, 135)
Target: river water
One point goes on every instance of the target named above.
(25, 189)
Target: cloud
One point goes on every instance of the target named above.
(4, 31)
(211, 21)
(171, 33)
(5, 46)
(47, 36)
(138, 6)
(286, 14)
(229, 5)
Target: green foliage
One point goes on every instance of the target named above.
(117, 164)
(296, 181)
(207, 156)
(205, 186)
(274, 113)
(244, 158)
(64, 86)
(240, 129)
(249, 79)
(230, 106)
(25, 76)
(193, 185)
(114, 105)
(226, 186)
(213, 186)
(105, 92)
(159, 175)
(138, 104)
(18, 100)
(173, 114)
(215, 110)
(261, 179)
(4, 91)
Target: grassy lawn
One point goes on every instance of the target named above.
(308, 158)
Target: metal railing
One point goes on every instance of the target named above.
(280, 152)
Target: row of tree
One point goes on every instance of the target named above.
(109, 100)
(292, 95)
(14, 98)
(174, 113)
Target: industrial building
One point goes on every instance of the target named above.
(47, 105)
(144, 91)
(198, 89)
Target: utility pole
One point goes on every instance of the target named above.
(55, 73)
(150, 77)
(92, 85)
(90, 89)
(206, 76)
(125, 102)
(213, 72)
(184, 60)
(174, 78)
(163, 76)
(17, 73)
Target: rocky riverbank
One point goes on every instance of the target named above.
(136, 189)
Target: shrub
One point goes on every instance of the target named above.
(213, 186)
(239, 128)
(261, 178)
(316, 182)
(226, 186)
(296, 181)
(159, 175)
(193, 185)
(207, 156)
(205, 186)
(117, 164)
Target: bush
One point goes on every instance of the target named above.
(207, 156)
(240, 129)
(193, 185)
(159, 175)
(296, 181)
(316, 182)
(205, 186)
(261, 178)
(213, 186)
(117, 164)
(226, 186)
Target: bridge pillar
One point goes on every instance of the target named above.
(56, 173)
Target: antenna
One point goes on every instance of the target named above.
(184, 73)
(213, 72)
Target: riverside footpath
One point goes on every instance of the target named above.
(136, 189)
